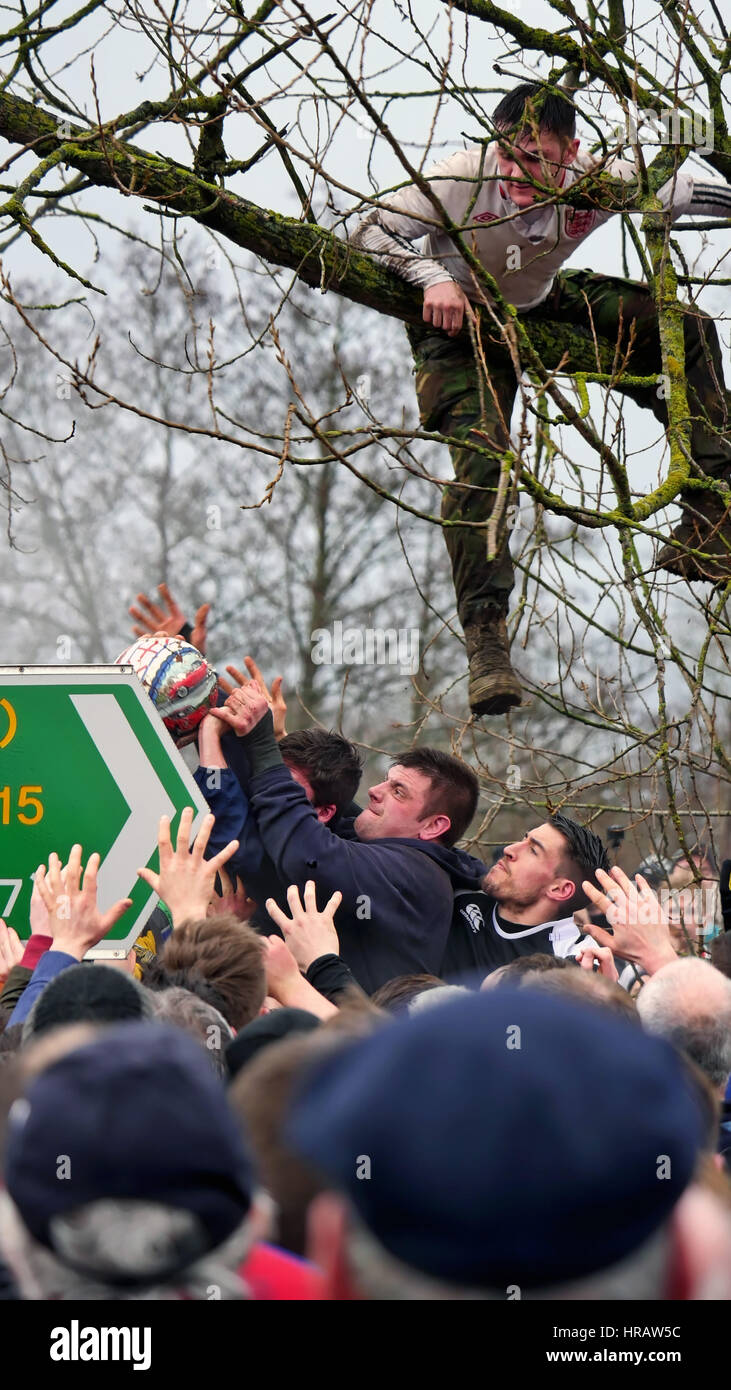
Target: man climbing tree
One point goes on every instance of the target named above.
(493, 208)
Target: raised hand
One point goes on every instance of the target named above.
(243, 710)
(283, 972)
(170, 620)
(39, 920)
(186, 880)
(641, 930)
(287, 986)
(11, 950)
(74, 919)
(588, 954)
(274, 697)
(308, 933)
(233, 899)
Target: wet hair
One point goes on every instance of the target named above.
(333, 766)
(454, 788)
(552, 113)
(584, 854)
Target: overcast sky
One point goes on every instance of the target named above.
(126, 74)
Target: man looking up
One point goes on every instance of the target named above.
(502, 200)
(528, 899)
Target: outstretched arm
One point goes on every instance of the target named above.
(684, 195)
(228, 802)
(710, 199)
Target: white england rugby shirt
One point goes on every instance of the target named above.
(523, 252)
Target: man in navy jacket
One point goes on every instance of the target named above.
(395, 864)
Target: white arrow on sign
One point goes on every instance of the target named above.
(140, 786)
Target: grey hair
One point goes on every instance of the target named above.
(430, 998)
(672, 1006)
(199, 1019)
(641, 1275)
(43, 1275)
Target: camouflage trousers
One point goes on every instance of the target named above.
(454, 401)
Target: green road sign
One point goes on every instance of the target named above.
(85, 759)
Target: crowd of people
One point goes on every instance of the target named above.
(346, 1059)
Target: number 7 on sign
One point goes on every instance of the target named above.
(15, 885)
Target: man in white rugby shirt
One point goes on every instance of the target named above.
(495, 196)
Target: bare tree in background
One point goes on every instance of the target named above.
(627, 671)
(115, 511)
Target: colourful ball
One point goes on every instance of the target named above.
(178, 679)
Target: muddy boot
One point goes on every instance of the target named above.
(494, 687)
(709, 530)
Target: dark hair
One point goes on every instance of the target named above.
(536, 964)
(331, 764)
(585, 853)
(397, 994)
(551, 112)
(454, 788)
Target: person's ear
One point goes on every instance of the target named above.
(571, 151)
(325, 813)
(562, 891)
(699, 1259)
(435, 827)
(327, 1224)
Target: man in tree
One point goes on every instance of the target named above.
(496, 196)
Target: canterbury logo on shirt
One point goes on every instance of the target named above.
(473, 915)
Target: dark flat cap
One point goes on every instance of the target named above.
(512, 1138)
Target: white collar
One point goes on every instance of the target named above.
(564, 932)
